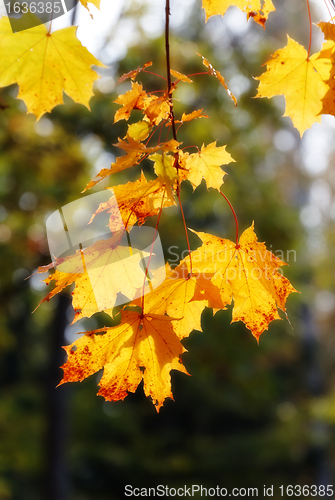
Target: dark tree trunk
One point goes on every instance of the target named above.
(56, 471)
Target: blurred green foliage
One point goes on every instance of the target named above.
(249, 415)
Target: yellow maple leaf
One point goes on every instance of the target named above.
(164, 168)
(206, 165)
(248, 273)
(302, 80)
(96, 3)
(99, 272)
(140, 347)
(46, 64)
(257, 9)
(135, 202)
(139, 131)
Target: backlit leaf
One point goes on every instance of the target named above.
(136, 152)
(44, 65)
(247, 273)
(184, 296)
(139, 131)
(94, 2)
(191, 116)
(156, 109)
(140, 347)
(328, 52)
(257, 9)
(180, 76)
(121, 163)
(164, 168)
(133, 99)
(217, 74)
(133, 74)
(206, 165)
(99, 272)
(302, 81)
(135, 202)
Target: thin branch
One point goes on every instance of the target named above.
(174, 132)
(168, 74)
(73, 17)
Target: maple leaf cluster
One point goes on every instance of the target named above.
(146, 344)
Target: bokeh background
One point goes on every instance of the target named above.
(250, 415)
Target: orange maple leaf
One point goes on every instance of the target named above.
(136, 152)
(136, 201)
(247, 273)
(121, 163)
(133, 74)
(133, 99)
(142, 346)
(217, 74)
(257, 9)
(156, 108)
(328, 52)
(131, 145)
(187, 117)
(180, 76)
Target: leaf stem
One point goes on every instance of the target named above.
(167, 136)
(310, 29)
(160, 132)
(196, 74)
(151, 249)
(155, 74)
(186, 233)
(235, 217)
(152, 134)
